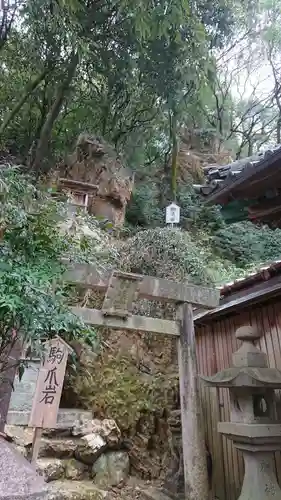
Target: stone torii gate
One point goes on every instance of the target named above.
(122, 290)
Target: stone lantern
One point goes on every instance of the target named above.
(254, 428)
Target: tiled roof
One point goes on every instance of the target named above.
(247, 289)
(263, 273)
(217, 177)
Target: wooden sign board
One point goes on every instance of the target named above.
(173, 214)
(49, 385)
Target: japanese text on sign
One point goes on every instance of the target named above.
(172, 214)
(49, 385)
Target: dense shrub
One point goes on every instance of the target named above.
(166, 253)
(244, 243)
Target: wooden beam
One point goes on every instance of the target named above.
(140, 323)
(151, 288)
(265, 209)
(73, 184)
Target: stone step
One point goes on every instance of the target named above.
(59, 447)
(65, 420)
(53, 469)
(71, 490)
(50, 447)
(85, 449)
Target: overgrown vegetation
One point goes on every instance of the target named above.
(207, 250)
(118, 389)
(139, 74)
(131, 74)
(33, 301)
(167, 254)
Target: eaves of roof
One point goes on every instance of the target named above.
(253, 288)
(221, 180)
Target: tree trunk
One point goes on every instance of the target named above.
(7, 17)
(250, 148)
(174, 166)
(13, 353)
(194, 452)
(278, 131)
(28, 91)
(46, 131)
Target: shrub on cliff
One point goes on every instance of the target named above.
(166, 253)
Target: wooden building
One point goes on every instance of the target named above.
(78, 191)
(252, 300)
(246, 189)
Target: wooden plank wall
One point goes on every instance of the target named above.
(215, 344)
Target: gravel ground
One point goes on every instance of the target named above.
(132, 490)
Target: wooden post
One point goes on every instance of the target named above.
(36, 444)
(194, 456)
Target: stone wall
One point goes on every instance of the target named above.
(134, 381)
(82, 459)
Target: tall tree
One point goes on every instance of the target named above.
(8, 11)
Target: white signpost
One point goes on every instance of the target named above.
(172, 214)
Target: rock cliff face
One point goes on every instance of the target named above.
(134, 381)
(197, 150)
(95, 162)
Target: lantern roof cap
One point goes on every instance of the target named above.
(250, 365)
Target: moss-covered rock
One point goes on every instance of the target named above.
(134, 381)
(74, 470)
(116, 388)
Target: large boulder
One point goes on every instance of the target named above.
(18, 478)
(111, 469)
(143, 373)
(96, 162)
